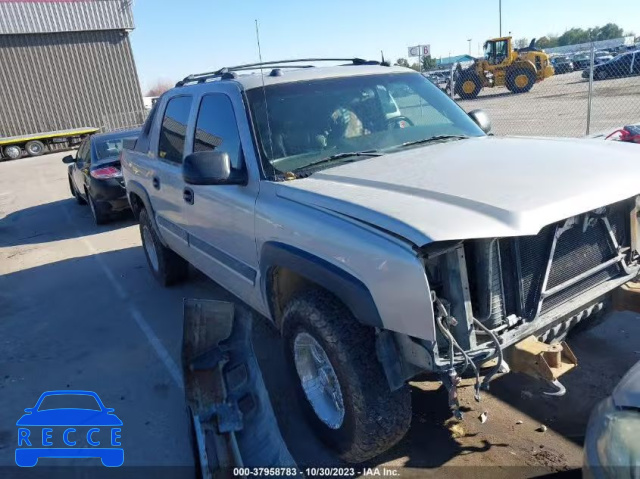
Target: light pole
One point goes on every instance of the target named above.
(469, 40)
(500, 15)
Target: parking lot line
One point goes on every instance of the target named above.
(143, 324)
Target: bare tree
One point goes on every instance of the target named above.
(159, 88)
(522, 43)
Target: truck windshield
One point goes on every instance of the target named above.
(311, 120)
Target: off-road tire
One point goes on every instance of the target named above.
(468, 77)
(171, 268)
(511, 80)
(35, 148)
(375, 418)
(74, 192)
(97, 210)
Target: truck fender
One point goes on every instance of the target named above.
(353, 293)
(133, 187)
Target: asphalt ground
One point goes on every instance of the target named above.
(79, 309)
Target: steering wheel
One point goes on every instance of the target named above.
(400, 121)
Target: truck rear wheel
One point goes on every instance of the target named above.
(339, 380)
(35, 148)
(13, 152)
(520, 80)
(166, 265)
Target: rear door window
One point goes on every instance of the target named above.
(174, 129)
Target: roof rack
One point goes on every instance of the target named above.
(227, 72)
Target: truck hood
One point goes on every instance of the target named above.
(475, 188)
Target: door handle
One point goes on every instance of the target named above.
(187, 195)
(156, 182)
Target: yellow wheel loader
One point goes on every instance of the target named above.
(501, 65)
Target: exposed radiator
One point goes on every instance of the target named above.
(582, 244)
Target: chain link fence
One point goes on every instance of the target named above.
(591, 92)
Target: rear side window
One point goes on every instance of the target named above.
(174, 129)
(216, 128)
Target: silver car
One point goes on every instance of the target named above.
(382, 231)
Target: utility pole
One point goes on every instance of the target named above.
(500, 15)
(469, 40)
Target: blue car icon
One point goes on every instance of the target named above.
(41, 424)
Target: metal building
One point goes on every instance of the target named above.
(67, 64)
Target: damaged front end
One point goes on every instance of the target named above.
(491, 294)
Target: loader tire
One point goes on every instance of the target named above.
(369, 418)
(520, 80)
(468, 85)
(167, 266)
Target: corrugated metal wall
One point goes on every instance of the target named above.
(67, 80)
(67, 16)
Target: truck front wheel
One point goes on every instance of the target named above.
(339, 380)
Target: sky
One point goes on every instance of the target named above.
(174, 38)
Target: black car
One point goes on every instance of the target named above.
(580, 61)
(624, 65)
(562, 65)
(95, 176)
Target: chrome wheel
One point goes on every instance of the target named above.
(319, 380)
(150, 247)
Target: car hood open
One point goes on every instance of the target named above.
(475, 188)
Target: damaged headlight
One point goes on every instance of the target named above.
(612, 442)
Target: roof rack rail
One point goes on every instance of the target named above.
(227, 72)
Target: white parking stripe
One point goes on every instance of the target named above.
(156, 344)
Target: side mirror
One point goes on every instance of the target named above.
(482, 120)
(211, 168)
(68, 159)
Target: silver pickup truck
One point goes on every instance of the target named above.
(380, 228)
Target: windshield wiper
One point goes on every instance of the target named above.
(341, 156)
(433, 139)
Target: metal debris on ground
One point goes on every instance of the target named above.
(542, 428)
(483, 417)
(518, 422)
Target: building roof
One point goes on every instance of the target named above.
(454, 59)
(46, 16)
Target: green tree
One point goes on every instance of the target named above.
(573, 36)
(428, 63)
(548, 41)
(607, 32)
(402, 62)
